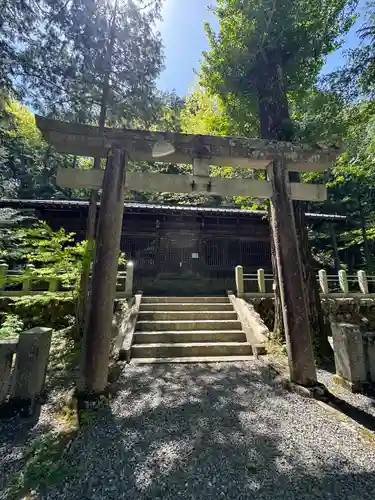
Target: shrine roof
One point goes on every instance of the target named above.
(149, 207)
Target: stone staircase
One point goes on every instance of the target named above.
(185, 329)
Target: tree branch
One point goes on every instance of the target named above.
(265, 33)
(147, 6)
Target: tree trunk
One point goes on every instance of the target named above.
(275, 124)
(336, 256)
(278, 333)
(366, 250)
(83, 304)
(273, 114)
(319, 325)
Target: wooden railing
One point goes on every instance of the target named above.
(340, 285)
(23, 365)
(12, 284)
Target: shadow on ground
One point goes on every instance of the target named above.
(213, 431)
(15, 434)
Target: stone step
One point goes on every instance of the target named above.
(161, 350)
(194, 359)
(186, 306)
(186, 315)
(158, 300)
(189, 337)
(180, 325)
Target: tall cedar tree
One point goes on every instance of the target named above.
(84, 46)
(100, 60)
(264, 50)
(18, 20)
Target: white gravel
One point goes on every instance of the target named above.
(211, 431)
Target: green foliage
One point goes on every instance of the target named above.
(11, 326)
(264, 62)
(28, 164)
(63, 365)
(82, 61)
(205, 114)
(61, 66)
(351, 180)
(43, 465)
(10, 243)
(85, 44)
(55, 254)
(318, 116)
(356, 78)
(50, 309)
(18, 21)
(256, 37)
(163, 113)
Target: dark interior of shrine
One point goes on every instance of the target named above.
(180, 249)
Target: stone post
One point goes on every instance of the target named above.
(239, 281)
(291, 283)
(129, 279)
(343, 280)
(7, 350)
(30, 368)
(261, 281)
(370, 355)
(323, 281)
(3, 275)
(96, 342)
(53, 284)
(362, 280)
(349, 354)
(201, 167)
(26, 285)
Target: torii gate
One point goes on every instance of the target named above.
(120, 145)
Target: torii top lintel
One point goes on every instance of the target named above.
(86, 140)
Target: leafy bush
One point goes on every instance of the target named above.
(12, 245)
(55, 254)
(11, 326)
(50, 309)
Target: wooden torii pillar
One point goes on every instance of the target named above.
(104, 277)
(275, 157)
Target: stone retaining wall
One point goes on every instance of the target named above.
(353, 332)
(353, 310)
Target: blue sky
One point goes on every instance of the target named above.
(184, 39)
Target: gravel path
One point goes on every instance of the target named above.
(211, 431)
(15, 438)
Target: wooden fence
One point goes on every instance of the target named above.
(340, 285)
(32, 284)
(23, 365)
